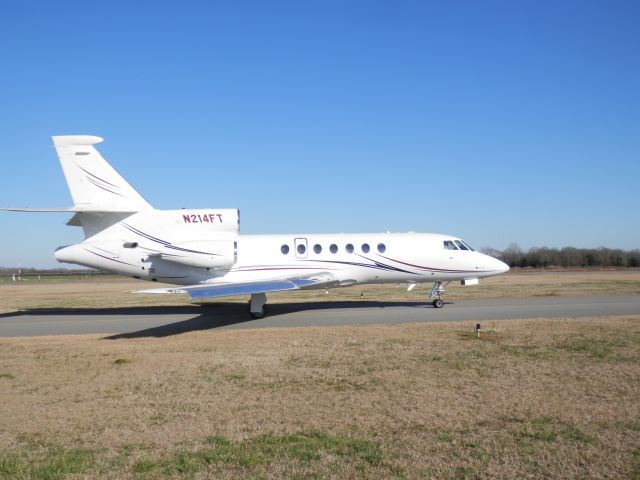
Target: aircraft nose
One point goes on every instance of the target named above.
(499, 266)
(494, 265)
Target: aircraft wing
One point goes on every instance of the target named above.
(214, 290)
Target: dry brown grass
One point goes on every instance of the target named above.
(538, 399)
(111, 292)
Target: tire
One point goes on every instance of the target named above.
(437, 303)
(258, 315)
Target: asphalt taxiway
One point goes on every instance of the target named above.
(166, 321)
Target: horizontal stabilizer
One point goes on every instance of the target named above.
(77, 209)
(36, 210)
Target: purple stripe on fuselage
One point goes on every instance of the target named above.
(443, 270)
(112, 259)
(375, 266)
(165, 243)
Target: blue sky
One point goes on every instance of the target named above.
(499, 122)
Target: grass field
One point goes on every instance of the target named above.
(536, 398)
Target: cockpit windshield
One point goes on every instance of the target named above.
(457, 245)
(449, 245)
(461, 245)
(466, 245)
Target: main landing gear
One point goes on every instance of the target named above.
(436, 294)
(257, 307)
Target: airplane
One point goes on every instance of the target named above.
(202, 252)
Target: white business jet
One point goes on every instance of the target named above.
(203, 252)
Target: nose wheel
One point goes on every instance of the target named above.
(437, 303)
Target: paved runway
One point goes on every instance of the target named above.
(166, 321)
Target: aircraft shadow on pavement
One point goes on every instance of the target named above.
(206, 316)
(217, 315)
(71, 311)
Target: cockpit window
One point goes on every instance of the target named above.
(449, 245)
(461, 245)
(468, 246)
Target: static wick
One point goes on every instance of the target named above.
(478, 330)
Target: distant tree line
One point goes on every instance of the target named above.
(47, 271)
(543, 257)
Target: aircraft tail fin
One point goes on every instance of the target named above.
(94, 184)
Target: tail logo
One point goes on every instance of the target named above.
(100, 183)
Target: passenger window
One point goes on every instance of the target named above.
(301, 249)
(333, 248)
(349, 248)
(381, 248)
(461, 245)
(449, 245)
(317, 248)
(365, 247)
(284, 249)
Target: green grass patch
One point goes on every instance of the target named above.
(121, 361)
(6, 375)
(236, 377)
(147, 465)
(445, 436)
(634, 426)
(307, 453)
(9, 465)
(50, 462)
(301, 450)
(635, 473)
(115, 463)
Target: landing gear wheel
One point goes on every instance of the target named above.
(437, 303)
(259, 314)
(257, 303)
